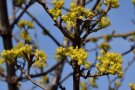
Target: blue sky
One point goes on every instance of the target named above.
(120, 22)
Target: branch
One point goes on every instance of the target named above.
(29, 77)
(66, 77)
(113, 36)
(85, 76)
(26, 74)
(93, 26)
(44, 29)
(2, 74)
(130, 50)
(21, 14)
(43, 73)
(94, 7)
(57, 24)
(7, 42)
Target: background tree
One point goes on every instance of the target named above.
(86, 56)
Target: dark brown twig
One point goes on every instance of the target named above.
(31, 2)
(57, 24)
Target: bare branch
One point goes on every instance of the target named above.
(44, 29)
(31, 2)
(113, 36)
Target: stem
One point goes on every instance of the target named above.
(76, 77)
(7, 43)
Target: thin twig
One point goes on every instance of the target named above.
(43, 73)
(93, 26)
(96, 4)
(65, 78)
(123, 35)
(57, 24)
(28, 76)
(44, 29)
(31, 2)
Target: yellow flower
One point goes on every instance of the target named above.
(104, 22)
(117, 83)
(2, 61)
(56, 11)
(40, 55)
(88, 13)
(110, 62)
(76, 54)
(40, 64)
(113, 3)
(21, 50)
(105, 46)
(60, 53)
(8, 54)
(16, 52)
(87, 64)
(40, 61)
(27, 49)
(58, 3)
(132, 86)
(22, 23)
(19, 45)
(107, 37)
(30, 24)
(24, 35)
(76, 12)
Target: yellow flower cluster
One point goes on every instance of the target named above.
(110, 63)
(23, 23)
(25, 36)
(112, 3)
(56, 11)
(76, 12)
(132, 86)
(40, 61)
(76, 54)
(16, 52)
(20, 50)
(60, 53)
(104, 22)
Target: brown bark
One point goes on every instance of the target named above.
(7, 43)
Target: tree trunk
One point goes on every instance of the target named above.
(7, 43)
